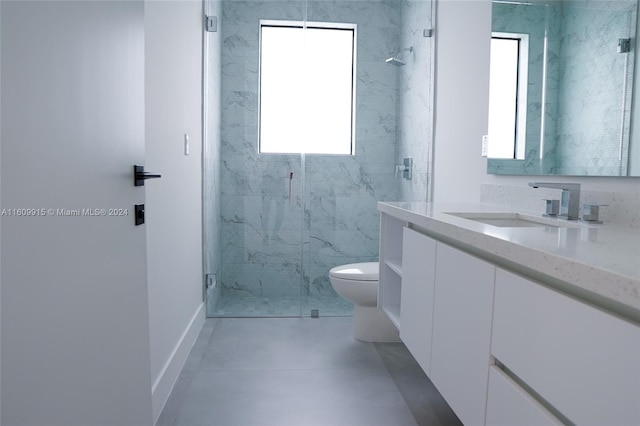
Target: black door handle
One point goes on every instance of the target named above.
(139, 175)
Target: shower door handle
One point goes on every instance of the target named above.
(290, 188)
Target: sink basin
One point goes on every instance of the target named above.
(513, 220)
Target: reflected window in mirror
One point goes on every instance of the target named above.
(508, 95)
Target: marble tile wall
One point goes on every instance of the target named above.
(415, 109)
(290, 218)
(592, 102)
(548, 161)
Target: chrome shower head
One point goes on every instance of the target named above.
(395, 59)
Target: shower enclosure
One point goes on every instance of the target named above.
(276, 223)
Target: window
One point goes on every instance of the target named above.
(508, 95)
(307, 88)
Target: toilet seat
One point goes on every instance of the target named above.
(367, 271)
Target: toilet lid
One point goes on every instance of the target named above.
(367, 271)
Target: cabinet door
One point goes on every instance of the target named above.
(462, 331)
(581, 360)
(418, 277)
(508, 404)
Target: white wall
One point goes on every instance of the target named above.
(463, 35)
(173, 51)
(463, 31)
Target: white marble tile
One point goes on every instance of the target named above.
(334, 197)
(414, 99)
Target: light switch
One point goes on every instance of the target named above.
(186, 144)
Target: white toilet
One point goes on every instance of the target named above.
(358, 283)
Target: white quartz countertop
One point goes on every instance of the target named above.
(602, 261)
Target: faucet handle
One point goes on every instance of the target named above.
(591, 212)
(553, 208)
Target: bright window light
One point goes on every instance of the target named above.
(508, 96)
(307, 88)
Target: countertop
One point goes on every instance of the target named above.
(597, 263)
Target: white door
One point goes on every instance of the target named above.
(75, 332)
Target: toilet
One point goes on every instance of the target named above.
(358, 283)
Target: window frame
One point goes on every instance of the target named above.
(313, 25)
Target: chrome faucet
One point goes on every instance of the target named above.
(570, 201)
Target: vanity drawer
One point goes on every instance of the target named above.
(508, 404)
(583, 361)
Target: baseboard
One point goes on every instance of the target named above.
(167, 378)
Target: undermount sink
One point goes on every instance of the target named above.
(513, 220)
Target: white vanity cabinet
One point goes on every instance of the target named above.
(440, 298)
(462, 331)
(418, 283)
(508, 404)
(503, 344)
(582, 361)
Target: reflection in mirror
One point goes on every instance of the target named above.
(561, 88)
(508, 95)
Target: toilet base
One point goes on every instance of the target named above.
(371, 324)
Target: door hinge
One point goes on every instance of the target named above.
(624, 45)
(211, 23)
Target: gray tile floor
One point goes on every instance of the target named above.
(300, 371)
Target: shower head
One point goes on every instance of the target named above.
(395, 59)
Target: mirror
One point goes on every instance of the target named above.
(562, 88)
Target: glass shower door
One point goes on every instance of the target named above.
(261, 238)
(260, 198)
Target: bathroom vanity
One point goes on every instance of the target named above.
(516, 319)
